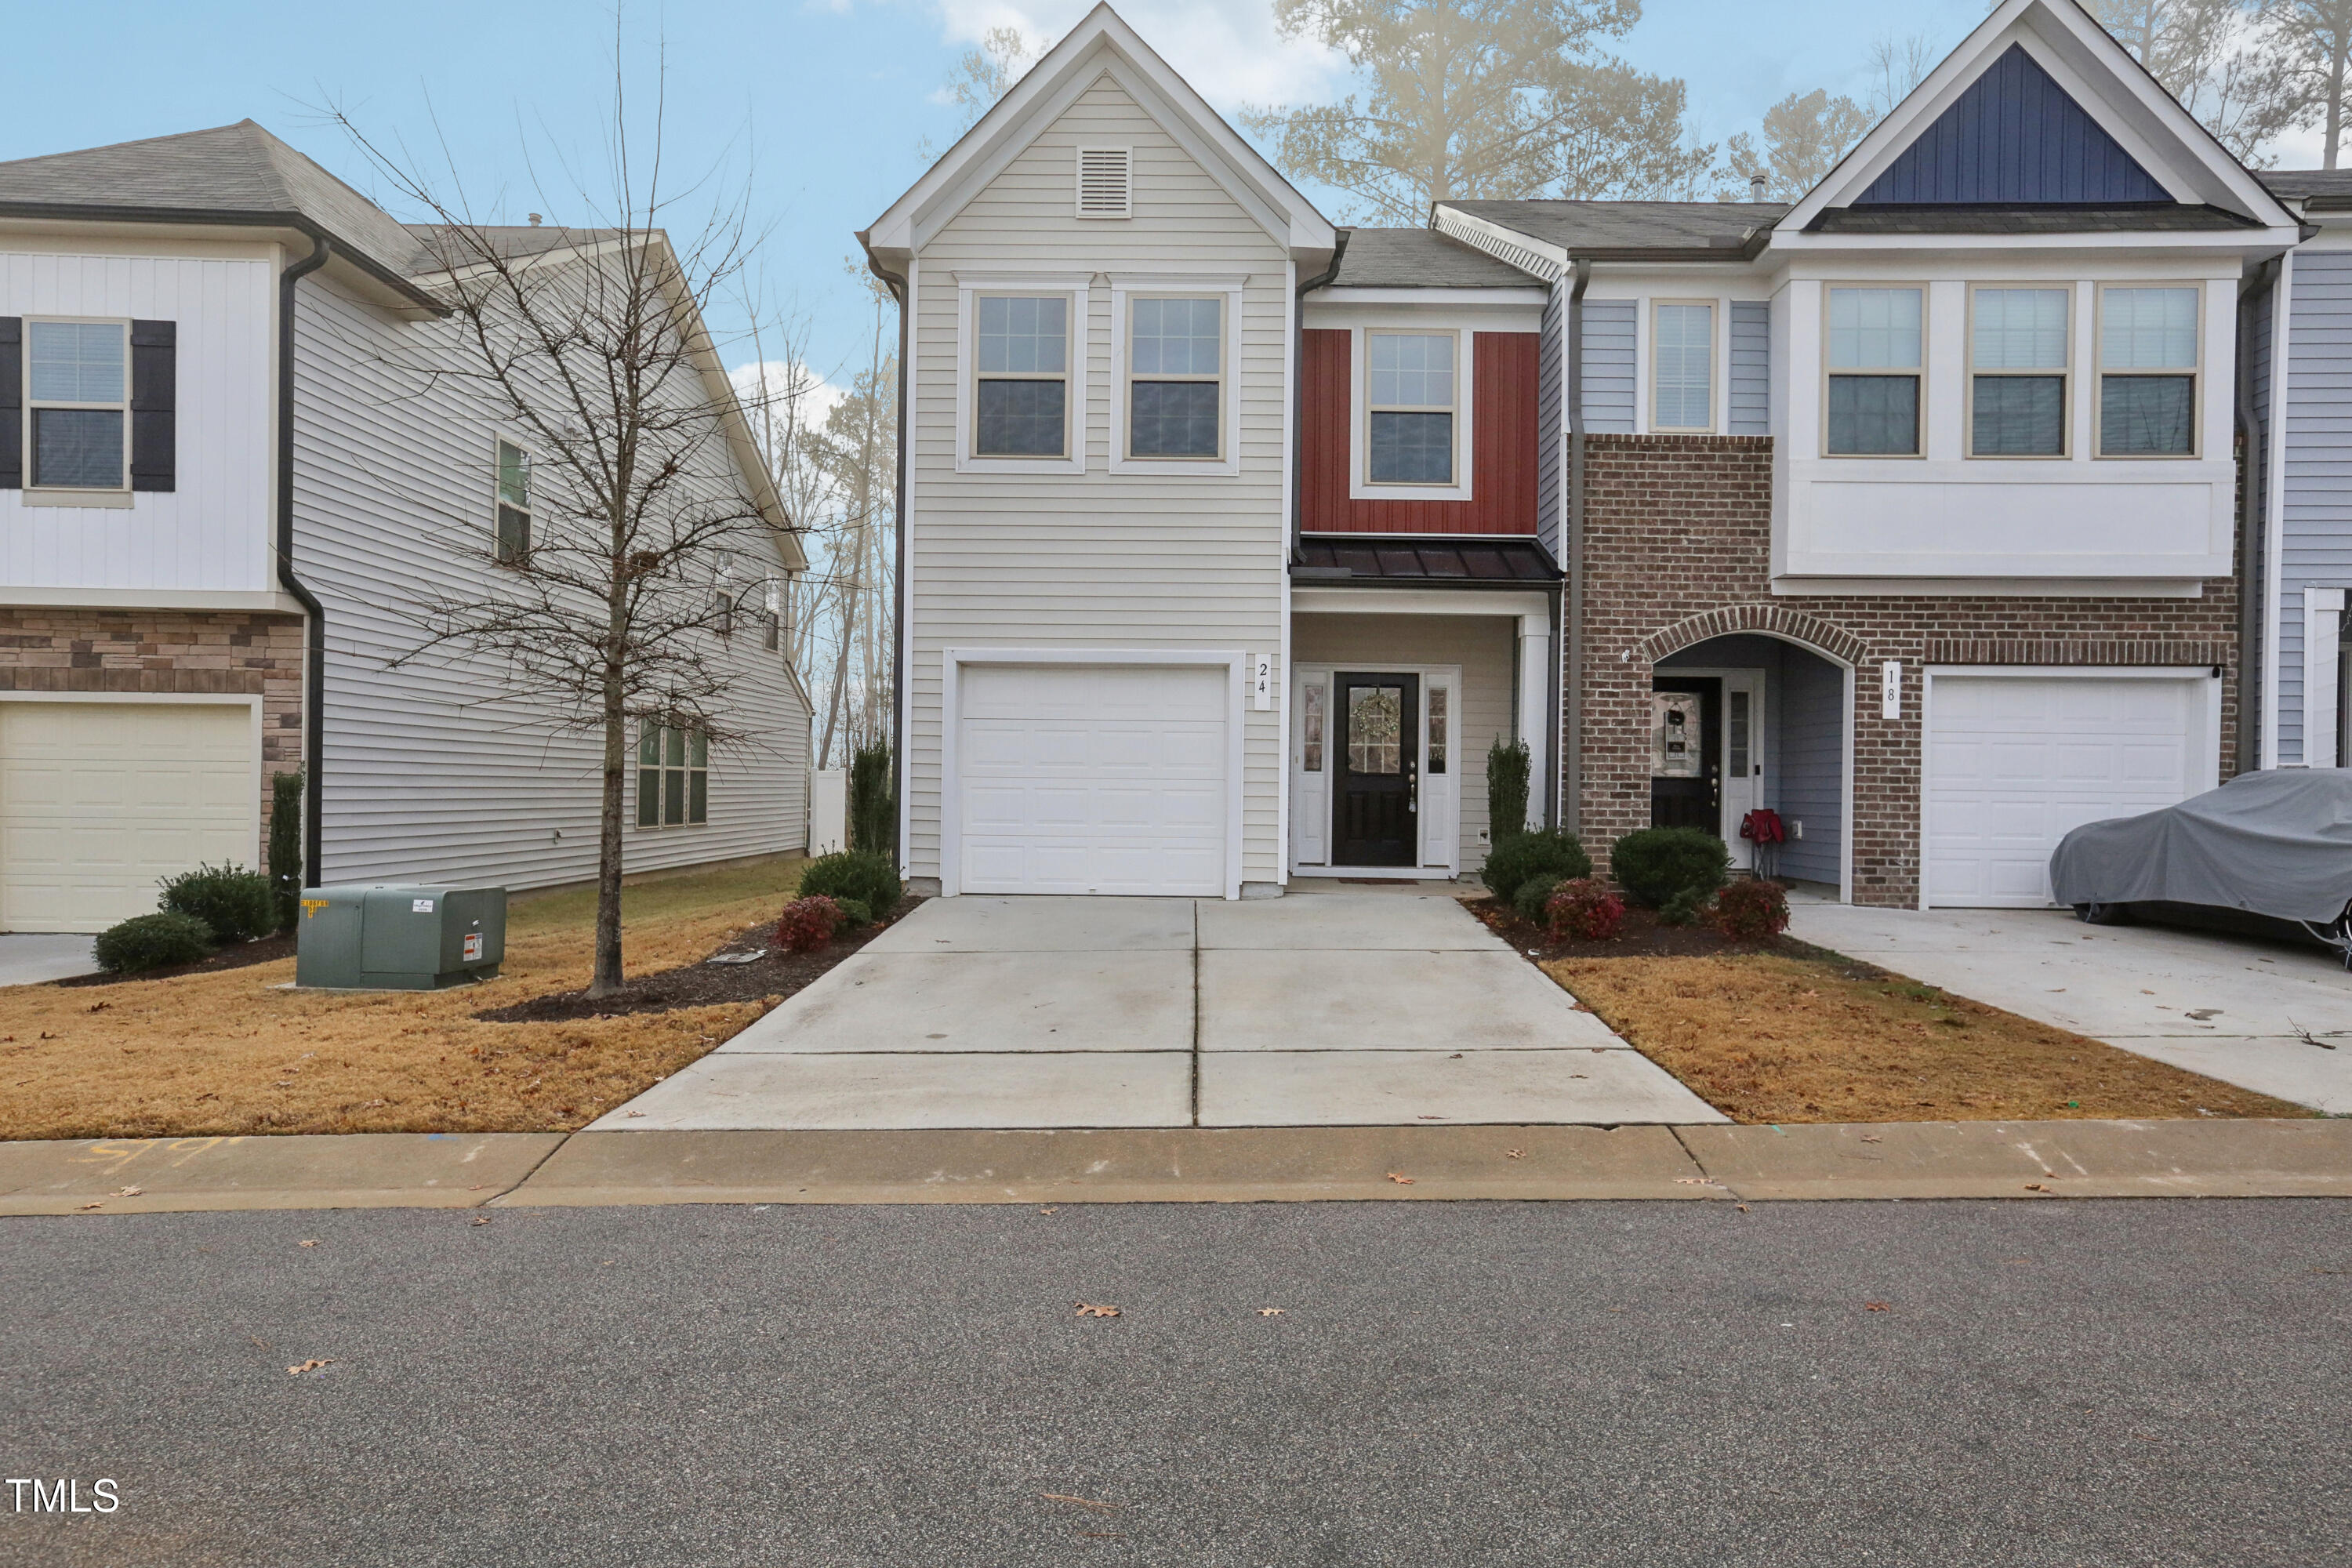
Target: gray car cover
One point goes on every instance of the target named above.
(2277, 843)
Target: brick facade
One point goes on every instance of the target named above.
(166, 652)
(1677, 551)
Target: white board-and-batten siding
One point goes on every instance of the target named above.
(434, 771)
(212, 532)
(1140, 560)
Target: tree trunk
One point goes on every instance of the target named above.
(2334, 105)
(607, 976)
(840, 675)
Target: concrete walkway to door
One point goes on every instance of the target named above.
(1322, 1009)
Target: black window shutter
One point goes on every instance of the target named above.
(12, 402)
(154, 375)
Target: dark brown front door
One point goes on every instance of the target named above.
(1686, 753)
(1376, 801)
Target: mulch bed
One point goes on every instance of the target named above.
(770, 978)
(268, 950)
(1639, 937)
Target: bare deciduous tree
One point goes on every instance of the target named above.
(589, 343)
(2311, 43)
(1805, 134)
(1897, 65)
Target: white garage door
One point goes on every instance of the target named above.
(98, 800)
(1093, 778)
(2015, 761)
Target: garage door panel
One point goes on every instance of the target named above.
(1093, 778)
(99, 801)
(2017, 762)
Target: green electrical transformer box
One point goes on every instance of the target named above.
(391, 936)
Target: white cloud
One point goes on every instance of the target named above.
(1228, 49)
(770, 378)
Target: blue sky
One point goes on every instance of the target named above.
(822, 103)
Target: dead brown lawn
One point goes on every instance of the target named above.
(226, 1053)
(1766, 1038)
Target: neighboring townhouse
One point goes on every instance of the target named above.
(225, 492)
(1910, 513)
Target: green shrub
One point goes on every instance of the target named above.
(870, 882)
(873, 802)
(1533, 893)
(238, 904)
(854, 912)
(1751, 910)
(1507, 792)
(1524, 854)
(149, 941)
(1657, 863)
(1687, 908)
(286, 846)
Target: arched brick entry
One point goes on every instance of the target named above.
(1774, 620)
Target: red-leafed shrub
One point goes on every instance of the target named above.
(808, 923)
(1751, 910)
(1584, 910)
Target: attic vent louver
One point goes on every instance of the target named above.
(1105, 189)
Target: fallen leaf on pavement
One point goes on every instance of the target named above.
(1875, 1307)
(1741, 1207)
(634, 1113)
(1400, 1180)
(88, 1206)
(1081, 1501)
(1872, 1138)
(481, 1219)
(1273, 1311)
(306, 1244)
(1513, 1154)
(309, 1366)
(126, 1191)
(2035, 1187)
(1695, 1182)
(1094, 1310)
(1049, 1211)
(258, 1340)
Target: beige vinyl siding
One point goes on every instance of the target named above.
(1486, 647)
(1099, 560)
(435, 771)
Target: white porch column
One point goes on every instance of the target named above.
(2323, 630)
(1535, 712)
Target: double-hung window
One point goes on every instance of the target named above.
(1175, 377)
(1411, 403)
(673, 776)
(1021, 396)
(1682, 368)
(513, 535)
(2148, 372)
(1874, 365)
(2016, 372)
(77, 386)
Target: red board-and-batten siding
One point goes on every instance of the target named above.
(1503, 431)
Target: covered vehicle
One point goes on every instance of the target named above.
(2267, 851)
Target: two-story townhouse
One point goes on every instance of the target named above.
(1910, 511)
(226, 492)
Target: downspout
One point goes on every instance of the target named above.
(1572, 751)
(2252, 669)
(897, 283)
(314, 672)
(1297, 388)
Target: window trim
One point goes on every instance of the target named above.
(969, 288)
(2196, 372)
(1919, 443)
(499, 440)
(1714, 308)
(662, 770)
(1124, 291)
(1362, 486)
(1969, 373)
(35, 492)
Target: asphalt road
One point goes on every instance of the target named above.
(2160, 1384)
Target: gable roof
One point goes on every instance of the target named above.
(1101, 42)
(2015, 136)
(1631, 231)
(238, 174)
(2094, 74)
(1420, 258)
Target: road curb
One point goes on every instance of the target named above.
(358, 1170)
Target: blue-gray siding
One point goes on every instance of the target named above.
(2254, 660)
(1750, 402)
(1608, 366)
(2316, 538)
(2014, 136)
(1550, 396)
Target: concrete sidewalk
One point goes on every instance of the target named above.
(2262, 1015)
(2025, 1160)
(32, 958)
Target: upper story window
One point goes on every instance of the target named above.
(1874, 365)
(1021, 361)
(1175, 377)
(2016, 372)
(2148, 372)
(1411, 404)
(1682, 368)
(77, 386)
(511, 545)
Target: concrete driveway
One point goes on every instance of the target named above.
(2258, 1014)
(32, 958)
(1324, 1009)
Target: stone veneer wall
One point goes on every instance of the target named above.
(165, 652)
(1677, 550)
